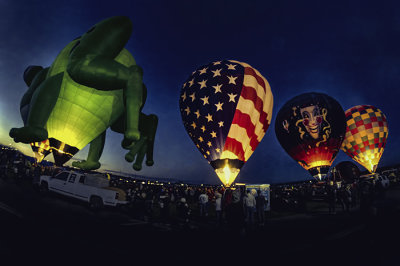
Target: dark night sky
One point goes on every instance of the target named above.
(347, 50)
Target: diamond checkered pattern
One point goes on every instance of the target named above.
(45, 145)
(366, 134)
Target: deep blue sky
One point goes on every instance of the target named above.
(347, 50)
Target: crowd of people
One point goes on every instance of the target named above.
(185, 204)
(237, 206)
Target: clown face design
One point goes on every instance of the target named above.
(312, 120)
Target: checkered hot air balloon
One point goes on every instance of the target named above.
(41, 149)
(311, 128)
(366, 135)
(226, 108)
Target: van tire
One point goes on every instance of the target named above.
(95, 203)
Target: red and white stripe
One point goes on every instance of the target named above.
(252, 116)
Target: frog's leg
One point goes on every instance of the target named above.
(42, 103)
(147, 127)
(92, 64)
(95, 151)
(137, 150)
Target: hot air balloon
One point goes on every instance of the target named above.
(92, 82)
(311, 128)
(41, 149)
(366, 135)
(226, 108)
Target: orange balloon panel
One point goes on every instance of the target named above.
(366, 135)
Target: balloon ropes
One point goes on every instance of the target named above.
(311, 128)
(366, 135)
(226, 108)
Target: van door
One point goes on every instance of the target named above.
(58, 182)
(69, 186)
(81, 190)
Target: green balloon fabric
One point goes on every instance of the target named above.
(82, 113)
(93, 84)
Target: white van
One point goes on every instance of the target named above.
(92, 188)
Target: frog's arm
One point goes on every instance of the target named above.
(33, 77)
(41, 100)
(92, 64)
(95, 151)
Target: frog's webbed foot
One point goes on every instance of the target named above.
(28, 134)
(86, 165)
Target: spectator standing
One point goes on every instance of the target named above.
(238, 217)
(218, 208)
(183, 210)
(191, 195)
(260, 206)
(332, 199)
(227, 205)
(203, 203)
(249, 203)
(163, 201)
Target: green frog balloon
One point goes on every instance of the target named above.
(93, 84)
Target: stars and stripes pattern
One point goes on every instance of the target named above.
(226, 108)
(366, 135)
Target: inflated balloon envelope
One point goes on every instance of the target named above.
(311, 128)
(226, 108)
(366, 135)
(81, 113)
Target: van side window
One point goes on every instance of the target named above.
(62, 176)
(72, 178)
(82, 179)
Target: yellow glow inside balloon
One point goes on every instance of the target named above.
(227, 174)
(370, 161)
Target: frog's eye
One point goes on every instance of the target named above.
(91, 29)
(73, 48)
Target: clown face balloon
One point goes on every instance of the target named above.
(311, 128)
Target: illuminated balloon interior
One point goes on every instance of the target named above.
(227, 175)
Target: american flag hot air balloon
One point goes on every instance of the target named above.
(226, 108)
